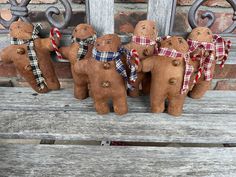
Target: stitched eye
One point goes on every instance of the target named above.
(198, 33)
(143, 27)
(170, 43)
(98, 44)
(208, 32)
(75, 30)
(18, 26)
(180, 41)
(153, 27)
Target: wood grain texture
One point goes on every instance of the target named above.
(214, 102)
(100, 14)
(133, 127)
(59, 160)
(57, 115)
(160, 11)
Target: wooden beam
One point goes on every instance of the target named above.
(100, 14)
(162, 12)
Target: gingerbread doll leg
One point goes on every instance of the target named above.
(175, 106)
(80, 91)
(200, 89)
(157, 103)
(146, 83)
(101, 106)
(120, 105)
(52, 80)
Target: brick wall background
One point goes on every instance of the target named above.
(127, 14)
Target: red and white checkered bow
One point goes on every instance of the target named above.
(143, 40)
(188, 68)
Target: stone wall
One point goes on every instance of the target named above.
(127, 14)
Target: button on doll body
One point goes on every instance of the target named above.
(31, 57)
(168, 70)
(84, 37)
(144, 42)
(105, 81)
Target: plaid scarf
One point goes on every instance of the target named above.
(188, 68)
(221, 48)
(32, 55)
(120, 68)
(83, 45)
(143, 40)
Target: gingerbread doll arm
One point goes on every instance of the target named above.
(81, 67)
(148, 64)
(46, 43)
(5, 54)
(65, 52)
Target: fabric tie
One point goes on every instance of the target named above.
(83, 45)
(222, 48)
(32, 55)
(143, 40)
(110, 56)
(205, 61)
(188, 68)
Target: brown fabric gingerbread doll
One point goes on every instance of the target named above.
(144, 44)
(171, 73)
(31, 56)
(107, 75)
(84, 37)
(205, 50)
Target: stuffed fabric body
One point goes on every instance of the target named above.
(167, 77)
(198, 89)
(18, 54)
(146, 29)
(81, 32)
(105, 82)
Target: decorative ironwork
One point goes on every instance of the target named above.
(210, 15)
(54, 10)
(20, 11)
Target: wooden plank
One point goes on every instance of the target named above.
(100, 14)
(133, 127)
(61, 160)
(214, 102)
(161, 12)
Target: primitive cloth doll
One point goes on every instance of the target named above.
(142, 45)
(83, 38)
(107, 75)
(31, 56)
(205, 50)
(171, 74)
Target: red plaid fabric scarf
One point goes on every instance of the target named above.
(205, 62)
(143, 40)
(188, 68)
(221, 48)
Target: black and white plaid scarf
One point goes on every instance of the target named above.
(32, 55)
(83, 45)
(110, 56)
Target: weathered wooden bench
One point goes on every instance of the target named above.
(56, 135)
